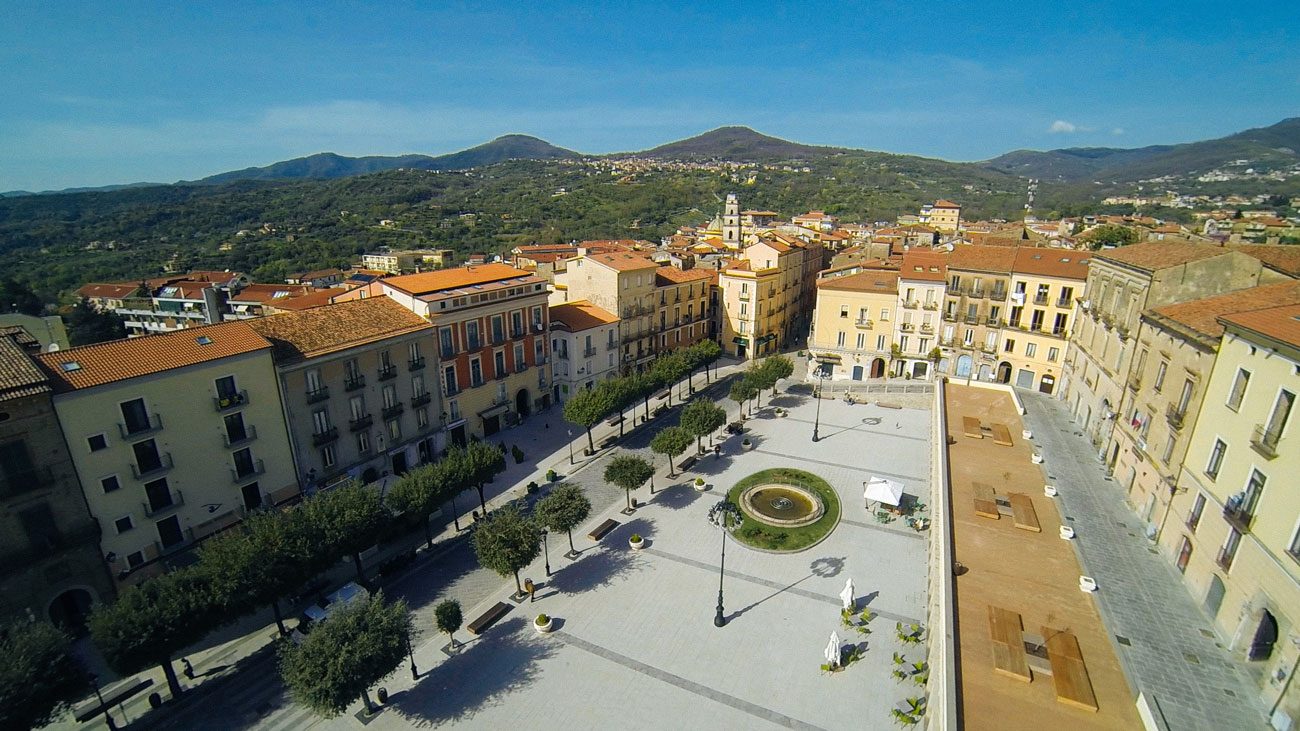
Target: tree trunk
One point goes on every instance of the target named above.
(365, 698)
(173, 684)
(670, 394)
(279, 620)
(647, 406)
(571, 548)
(455, 518)
(671, 468)
(627, 492)
(518, 588)
(361, 570)
(621, 420)
(428, 535)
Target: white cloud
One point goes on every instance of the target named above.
(1062, 126)
(1117, 131)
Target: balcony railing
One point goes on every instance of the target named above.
(387, 372)
(415, 364)
(321, 438)
(177, 500)
(1224, 558)
(1040, 299)
(588, 352)
(250, 434)
(911, 304)
(1060, 332)
(998, 294)
(927, 328)
(421, 400)
(1065, 302)
(1265, 440)
(864, 324)
(134, 431)
(994, 322)
(1239, 513)
(318, 395)
(518, 332)
(145, 472)
(474, 344)
(353, 382)
(252, 470)
(989, 347)
(907, 327)
(1175, 416)
(227, 401)
(361, 422)
(447, 353)
(1135, 384)
(950, 316)
(930, 306)
(391, 411)
(498, 338)
(972, 319)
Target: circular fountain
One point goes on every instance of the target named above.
(781, 505)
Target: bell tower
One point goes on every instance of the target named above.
(731, 222)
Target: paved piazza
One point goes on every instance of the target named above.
(635, 646)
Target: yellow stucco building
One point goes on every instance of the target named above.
(852, 324)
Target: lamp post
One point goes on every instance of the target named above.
(570, 432)
(410, 652)
(108, 717)
(546, 552)
(817, 420)
(726, 517)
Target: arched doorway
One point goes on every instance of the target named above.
(1004, 372)
(1047, 384)
(1261, 648)
(964, 364)
(69, 610)
(986, 373)
(523, 406)
(878, 368)
(857, 373)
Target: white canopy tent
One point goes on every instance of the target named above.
(883, 491)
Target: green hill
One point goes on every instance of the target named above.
(737, 143)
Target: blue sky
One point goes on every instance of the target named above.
(102, 93)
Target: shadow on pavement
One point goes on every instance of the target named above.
(480, 676)
(677, 497)
(597, 568)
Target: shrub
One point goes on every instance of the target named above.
(532, 487)
(636, 537)
(551, 476)
(542, 619)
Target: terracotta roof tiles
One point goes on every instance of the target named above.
(875, 280)
(623, 261)
(1203, 315)
(1156, 255)
(1051, 262)
(581, 315)
(1285, 259)
(1279, 323)
(443, 279)
(973, 257)
(672, 275)
(19, 374)
(319, 331)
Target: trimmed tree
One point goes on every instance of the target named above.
(447, 617)
(39, 677)
(507, 541)
(563, 510)
(774, 369)
(419, 493)
(586, 408)
(671, 442)
(154, 620)
(703, 354)
(701, 418)
(484, 462)
(340, 660)
(629, 472)
(742, 390)
(257, 563)
(346, 520)
(668, 370)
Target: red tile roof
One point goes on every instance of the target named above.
(875, 280)
(666, 276)
(973, 257)
(1062, 263)
(443, 279)
(107, 290)
(1156, 255)
(1279, 323)
(581, 315)
(1203, 315)
(623, 261)
(924, 266)
(19, 374)
(322, 330)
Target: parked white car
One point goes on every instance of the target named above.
(320, 611)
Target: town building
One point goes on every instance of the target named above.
(1040, 315)
(942, 215)
(922, 280)
(174, 437)
(767, 297)
(853, 332)
(50, 564)
(585, 345)
(48, 331)
(975, 311)
(398, 262)
(359, 387)
(681, 307)
(1234, 527)
(493, 326)
(622, 283)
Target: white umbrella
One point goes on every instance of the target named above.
(884, 491)
(847, 596)
(833, 651)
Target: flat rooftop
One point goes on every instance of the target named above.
(1033, 574)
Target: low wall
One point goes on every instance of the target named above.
(941, 637)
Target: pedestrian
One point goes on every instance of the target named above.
(531, 588)
(548, 425)
(189, 669)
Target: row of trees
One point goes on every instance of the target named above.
(760, 376)
(588, 406)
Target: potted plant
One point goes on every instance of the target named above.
(1036, 458)
(636, 542)
(542, 624)
(699, 484)
(746, 445)
(551, 476)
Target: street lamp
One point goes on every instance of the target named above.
(410, 652)
(817, 420)
(546, 552)
(108, 717)
(570, 431)
(727, 518)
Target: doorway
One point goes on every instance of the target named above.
(878, 368)
(857, 373)
(964, 364)
(69, 610)
(1004, 372)
(252, 493)
(1047, 384)
(399, 462)
(1214, 596)
(523, 404)
(1261, 648)
(1024, 378)
(1184, 555)
(491, 425)
(458, 436)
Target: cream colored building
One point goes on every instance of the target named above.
(174, 437)
(622, 283)
(1040, 316)
(853, 324)
(585, 346)
(767, 297)
(975, 310)
(944, 216)
(359, 382)
(681, 307)
(492, 322)
(922, 281)
(1234, 529)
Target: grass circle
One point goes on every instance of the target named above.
(786, 540)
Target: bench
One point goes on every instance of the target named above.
(488, 618)
(888, 405)
(1069, 674)
(1005, 628)
(603, 529)
(971, 427)
(1023, 513)
(1001, 434)
(985, 504)
(608, 442)
(687, 463)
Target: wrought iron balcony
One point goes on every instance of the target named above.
(950, 316)
(361, 422)
(227, 401)
(1040, 299)
(972, 319)
(324, 437)
(421, 400)
(1239, 513)
(353, 382)
(252, 470)
(588, 352)
(907, 327)
(911, 304)
(144, 472)
(1265, 440)
(1065, 302)
(865, 324)
(998, 294)
(392, 411)
(318, 395)
(134, 431)
(176, 500)
(927, 327)
(387, 372)
(1175, 416)
(415, 364)
(250, 434)
(930, 306)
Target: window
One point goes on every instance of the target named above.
(902, 343)
(422, 418)
(471, 335)
(1238, 393)
(390, 396)
(313, 380)
(226, 390)
(134, 416)
(1198, 507)
(169, 532)
(110, 484)
(327, 457)
(413, 352)
(499, 363)
(123, 524)
(449, 380)
(244, 464)
(1294, 547)
(235, 429)
(884, 314)
(39, 526)
(453, 408)
(363, 442)
(394, 429)
(880, 342)
(519, 355)
(968, 337)
(839, 339)
(1053, 354)
(1229, 550)
(159, 495)
(1169, 450)
(356, 408)
(445, 344)
(862, 340)
(1184, 555)
(1277, 421)
(498, 329)
(320, 421)
(417, 386)
(1160, 376)
(1009, 345)
(844, 310)
(97, 442)
(134, 559)
(1031, 349)
(1216, 458)
(475, 373)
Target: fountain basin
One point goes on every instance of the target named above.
(781, 505)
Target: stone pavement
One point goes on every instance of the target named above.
(635, 646)
(1163, 639)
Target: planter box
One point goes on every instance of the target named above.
(636, 545)
(544, 628)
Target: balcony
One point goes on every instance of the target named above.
(387, 372)
(998, 294)
(415, 364)
(989, 347)
(227, 401)
(321, 438)
(421, 400)
(1175, 416)
(930, 306)
(361, 422)
(1060, 332)
(235, 440)
(318, 395)
(390, 412)
(518, 332)
(1265, 440)
(911, 304)
(1064, 302)
(1224, 558)
(133, 431)
(354, 381)
(1122, 332)
(147, 471)
(176, 500)
(257, 467)
(864, 324)
(950, 316)
(907, 327)
(927, 328)
(498, 338)
(447, 353)
(588, 352)
(972, 319)
(994, 322)
(1239, 512)
(1135, 384)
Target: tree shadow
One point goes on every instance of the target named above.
(677, 497)
(437, 574)
(500, 663)
(600, 568)
(789, 400)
